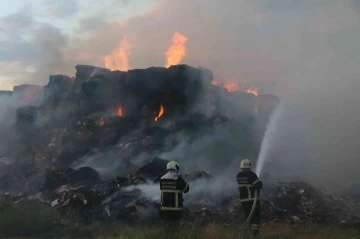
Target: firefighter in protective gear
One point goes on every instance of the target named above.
(172, 187)
(248, 182)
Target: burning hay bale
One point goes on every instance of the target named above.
(117, 119)
(86, 73)
(57, 90)
(114, 127)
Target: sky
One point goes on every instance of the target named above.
(307, 52)
(25, 22)
(243, 40)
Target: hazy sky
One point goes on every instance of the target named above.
(310, 49)
(237, 39)
(30, 27)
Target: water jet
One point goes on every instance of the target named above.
(266, 144)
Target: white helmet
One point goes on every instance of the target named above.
(173, 165)
(245, 164)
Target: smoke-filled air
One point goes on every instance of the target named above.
(96, 97)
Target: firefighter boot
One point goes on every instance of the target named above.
(255, 230)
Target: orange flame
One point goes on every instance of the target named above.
(232, 86)
(161, 112)
(254, 91)
(177, 50)
(101, 122)
(119, 112)
(118, 59)
(215, 82)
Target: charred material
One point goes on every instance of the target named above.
(57, 91)
(129, 180)
(113, 121)
(26, 115)
(153, 169)
(81, 176)
(197, 175)
(56, 178)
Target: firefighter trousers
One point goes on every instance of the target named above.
(171, 218)
(255, 219)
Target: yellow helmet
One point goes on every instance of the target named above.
(173, 165)
(245, 164)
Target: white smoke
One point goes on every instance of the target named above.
(205, 191)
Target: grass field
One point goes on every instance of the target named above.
(232, 232)
(36, 221)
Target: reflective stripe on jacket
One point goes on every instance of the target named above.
(172, 187)
(248, 182)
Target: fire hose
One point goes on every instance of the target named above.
(251, 213)
(253, 208)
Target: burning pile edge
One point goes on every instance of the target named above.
(140, 114)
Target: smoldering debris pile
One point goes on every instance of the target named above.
(293, 202)
(298, 201)
(134, 199)
(91, 146)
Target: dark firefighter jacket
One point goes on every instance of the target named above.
(172, 186)
(248, 182)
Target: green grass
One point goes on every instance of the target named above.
(232, 232)
(28, 219)
(33, 220)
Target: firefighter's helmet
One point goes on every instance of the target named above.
(245, 164)
(173, 165)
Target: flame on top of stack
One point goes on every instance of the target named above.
(232, 86)
(177, 50)
(243, 101)
(118, 59)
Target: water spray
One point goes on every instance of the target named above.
(265, 147)
(267, 141)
